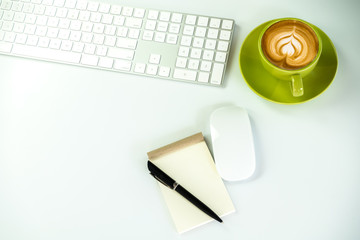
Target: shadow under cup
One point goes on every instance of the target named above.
(289, 50)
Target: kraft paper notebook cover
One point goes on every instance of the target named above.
(190, 163)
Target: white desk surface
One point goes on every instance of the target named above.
(73, 142)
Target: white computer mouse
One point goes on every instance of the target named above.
(232, 142)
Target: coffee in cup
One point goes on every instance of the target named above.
(290, 49)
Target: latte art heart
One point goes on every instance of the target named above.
(290, 44)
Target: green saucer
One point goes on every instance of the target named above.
(272, 89)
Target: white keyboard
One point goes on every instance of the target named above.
(154, 43)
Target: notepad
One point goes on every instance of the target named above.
(190, 163)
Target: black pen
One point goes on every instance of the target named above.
(162, 177)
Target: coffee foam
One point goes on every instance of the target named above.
(290, 44)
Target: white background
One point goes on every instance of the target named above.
(73, 142)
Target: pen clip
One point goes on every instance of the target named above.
(157, 178)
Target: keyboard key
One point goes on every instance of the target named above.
(200, 32)
(204, 77)
(64, 34)
(223, 46)
(95, 17)
(66, 45)
(210, 44)
(28, 8)
(176, 17)
(150, 25)
(104, 8)
(193, 64)
(188, 30)
(126, 43)
(31, 40)
(110, 30)
(186, 41)
(48, 2)
(75, 36)
(203, 21)
(110, 41)
(217, 73)
(171, 38)
(51, 32)
(212, 33)
(53, 22)
(134, 33)
(55, 44)
(21, 38)
(98, 39)
(120, 53)
(43, 42)
(19, 27)
(107, 19)
(155, 58)
(220, 57)
(139, 12)
(185, 74)
(59, 3)
(198, 42)
(227, 24)
(8, 16)
(181, 62)
(195, 53)
(5, 47)
(89, 60)
(119, 20)
(78, 47)
(174, 28)
(153, 14)
(93, 6)
(50, 11)
(165, 16)
(151, 69)
(183, 51)
(127, 11)
(81, 5)
(122, 65)
(106, 62)
(73, 14)
(205, 66)
(160, 37)
(225, 35)
(101, 50)
(98, 28)
(148, 35)
(6, 5)
(89, 48)
(122, 31)
(162, 26)
(140, 67)
(133, 22)
(30, 18)
(215, 23)
(164, 71)
(69, 3)
(115, 10)
(9, 37)
(190, 19)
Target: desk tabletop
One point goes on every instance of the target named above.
(73, 142)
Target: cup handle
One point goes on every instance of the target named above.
(297, 85)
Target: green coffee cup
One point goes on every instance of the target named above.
(289, 50)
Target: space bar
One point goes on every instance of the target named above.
(46, 53)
